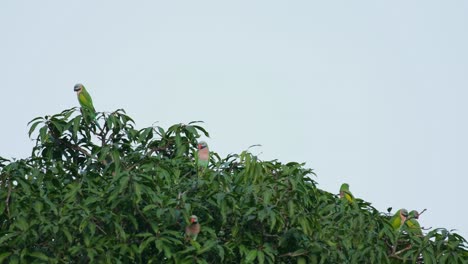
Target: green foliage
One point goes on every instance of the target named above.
(124, 195)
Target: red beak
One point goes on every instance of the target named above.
(199, 146)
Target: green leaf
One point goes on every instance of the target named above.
(39, 255)
(67, 234)
(251, 256)
(428, 258)
(35, 119)
(7, 236)
(33, 127)
(206, 247)
(4, 256)
(260, 257)
(137, 188)
(38, 206)
(22, 224)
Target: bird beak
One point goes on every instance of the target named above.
(199, 146)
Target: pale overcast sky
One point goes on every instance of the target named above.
(373, 93)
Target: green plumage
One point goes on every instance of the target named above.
(345, 193)
(413, 224)
(86, 102)
(398, 218)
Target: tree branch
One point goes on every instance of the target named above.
(294, 254)
(7, 200)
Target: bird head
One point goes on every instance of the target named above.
(78, 88)
(193, 219)
(202, 145)
(344, 187)
(404, 213)
(414, 214)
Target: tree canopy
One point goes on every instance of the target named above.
(113, 193)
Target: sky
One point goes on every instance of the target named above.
(372, 93)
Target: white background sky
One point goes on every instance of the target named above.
(373, 93)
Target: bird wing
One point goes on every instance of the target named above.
(86, 101)
(396, 220)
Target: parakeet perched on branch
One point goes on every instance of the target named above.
(86, 102)
(399, 218)
(193, 229)
(412, 223)
(346, 193)
(203, 155)
(84, 98)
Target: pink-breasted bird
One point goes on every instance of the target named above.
(399, 218)
(193, 229)
(203, 155)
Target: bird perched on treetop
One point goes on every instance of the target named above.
(86, 102)
(193, 229)
(412, 223)
(84, 98)
(203, 155)
(399, 218)
(413, 214)
(346, 193)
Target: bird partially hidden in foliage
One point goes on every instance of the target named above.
(86, 102)
(412, 223)
(345, 193)
(203, 155)
(193, 229)
(399, 218)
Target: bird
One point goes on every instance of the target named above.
(86, 102)
(412, 223)
(84, 98)
(193, 229)
(399, 218)
(203, 155)
(346, 193)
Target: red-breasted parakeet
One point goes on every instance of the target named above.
(84, 99)
(86, 102)
(193, 229)
(203, 155)
(399, 218)
(346, 193)
(412, 223)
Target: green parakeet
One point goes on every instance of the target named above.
(345, 193)
(399, 218)
(203, 155)
(86, 102)
(84, 98)
(193, 229)
(412, 223)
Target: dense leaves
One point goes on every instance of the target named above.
(124, 195)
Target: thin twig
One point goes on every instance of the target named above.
(403, 250)
(293, 254)
(422, 212)
(97, 225)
